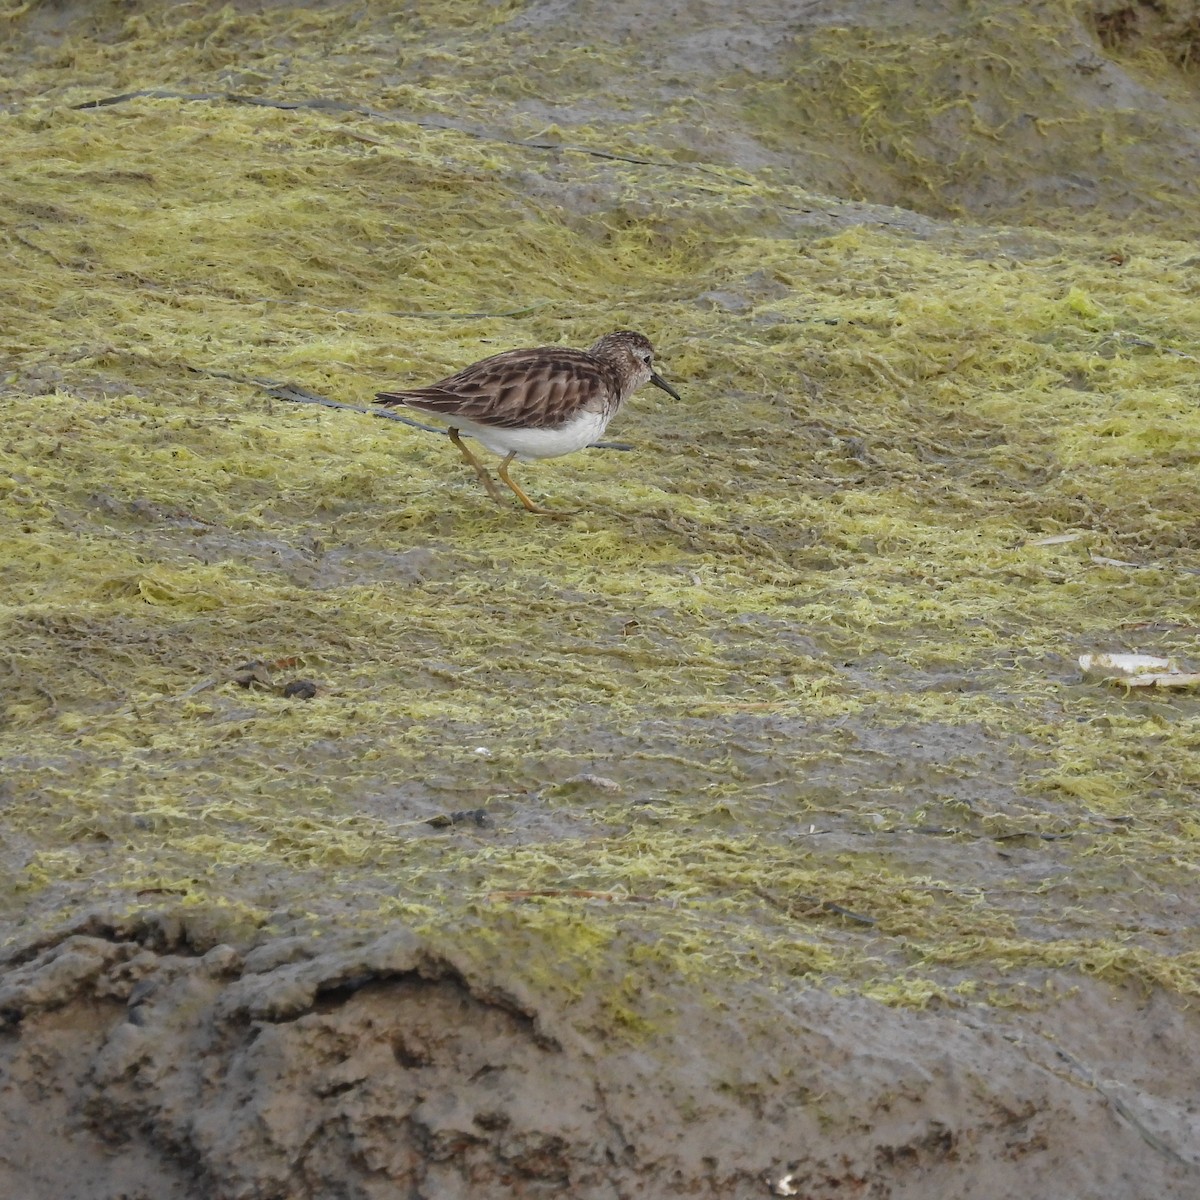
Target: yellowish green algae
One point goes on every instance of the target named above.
(1009, 110)
(794, 694)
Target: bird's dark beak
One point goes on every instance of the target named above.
(660, 382)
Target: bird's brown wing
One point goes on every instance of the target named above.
(526, 389)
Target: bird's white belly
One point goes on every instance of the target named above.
(578, 432)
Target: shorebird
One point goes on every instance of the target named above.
(537, 403)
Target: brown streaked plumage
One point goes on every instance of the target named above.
(537, 403)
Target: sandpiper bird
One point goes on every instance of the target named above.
(536, 403)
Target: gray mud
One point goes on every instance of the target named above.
(383, 1069)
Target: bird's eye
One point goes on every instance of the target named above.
(646, 358)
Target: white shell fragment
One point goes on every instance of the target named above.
(1056, 539)
(1137, 670)
(1101, 561)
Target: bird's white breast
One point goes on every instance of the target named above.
(581, 430)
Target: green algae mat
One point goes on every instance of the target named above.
(793, 695)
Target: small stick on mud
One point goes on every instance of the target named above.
(815, 904)
(571, 894)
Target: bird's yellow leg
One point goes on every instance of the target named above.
(502, 471)
(480, 470)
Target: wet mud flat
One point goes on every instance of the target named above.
(753, 830)
(136, 1065)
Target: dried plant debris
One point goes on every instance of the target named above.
(1138, 670)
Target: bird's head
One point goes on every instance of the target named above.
(633, 355)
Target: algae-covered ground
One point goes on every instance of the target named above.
(788, 706)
